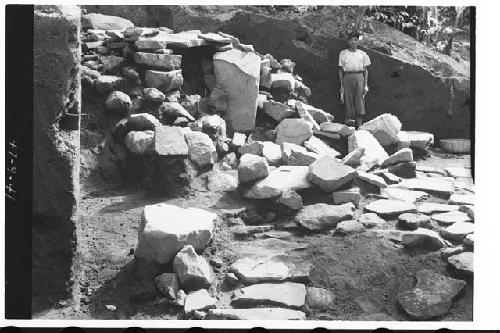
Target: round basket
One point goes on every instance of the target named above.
(455, 145)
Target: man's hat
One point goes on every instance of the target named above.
(353, 34)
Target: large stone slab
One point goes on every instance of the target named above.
(385, 128)
(165, 39)
(432, 296)
(161, 61)
(278, 111)
(423, 239)
(462, 199)
(319, 217)
(320, 147)
(193, 271)
(457, 231)
(374, 153)
(287, 294)
(252, 167)
(164, 81)
(431, 185)
(104, 22)
(329, 174)
(294, 131)
(283, 80)
(350, 195)
(271, 152)
(169, 141)
(390, 207)
(201, 149)
(404, 195)
(463, 262)
(412, 221)
(280, 180)
(404, 170)
(255, 314)
(165, 229)
(319, 298)
(420, 140)
(142, 122)
(371, 179)
(261, 269)
(448, 218)
(238, 74)
(431, 208)
(336, 128)
(139, 142)
(199, 300)
(401, 156)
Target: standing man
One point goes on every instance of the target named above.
(353, 74)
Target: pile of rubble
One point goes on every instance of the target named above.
(274, 146)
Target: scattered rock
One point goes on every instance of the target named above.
(351, 195)
(431, 208)
(349, 227)
(287, 294)
(193, 271)
(252, 167)
(353, 159)
(246, 231)
(199, 300)
(404, 170)
(463, 262)
(168, 285)
(291, 199)
(164, 81)
(257, 270)
(118, 101)
(319, 298)
(278, 181)
(390, 207)
(320, 216)
(461, 199)
(389, 178)
(112, 64)
(412, 221)
(239, 140)
(371, 179)
(104, 22)
(424, 239)
(169, 141)
(285, 81)
(329, 174)
(457, 231)
(320, 147)
(107, 83)
(255, 148)
(371, 220)
(278, 111)
(469, 210)
(404, 195)
(201, 149)
(287, 148)
(111, 307)
(374, 153)
(450, 251)
(166, 62)
(256, 314)
(449, 218)
(294, 131)
(336, 128)
(142, 122)
(271, 152)
(165, 229)
(404, 155)
(469, 241)
(174, 110)
(440, 187)
(420, 140)
(384, 128)
(218, 181)
(432, 296)
(139, 142)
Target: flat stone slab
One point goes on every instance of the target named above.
(280, 180)
(390, 207)
(457, 231)
(449, 218)
(165, 229)
(329, 174)
(320, 147)
(420, 140)
(349, 227)
(199, 300)
(294, 131)
(193, 271)
(469, 241)
(322, 216)
(431, 208)
(351, 195)
(161, 61)
(463, 262)
(424, 239)
(256, 314)
(433, 185)
(432, 296)
(319, 298)
(287, 294)
(401, 156)
(371, 179)
(404, 195)
(163, 81)
(371, 220)
(458, 172)
(461, 199)
(412, 221)
(169, 141)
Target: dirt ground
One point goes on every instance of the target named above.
(365, 271)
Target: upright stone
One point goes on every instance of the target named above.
(238, 73)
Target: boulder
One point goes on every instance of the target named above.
(166, 62)
(287, 294)
(420, 140)
(164, 81)
(107, 83)
(201, 149)
(384, 128)
(457, 231)
(271, 152)
(401, 156)
(218, 181)
(412, 221)
(278, 181)
(169, 141)
(329, 174)
(374, 153)
(291, 200)
(214, 126)
(238, 74)
(118, 101)
(371, 179)
(431, 208)
(319, 298)
(304, 114)
(104, 22)
(449, 218)
(351, 195)
(463, 262)
(404, 170)
(252, 167)
(255, 314)
(424, 239)
(320, 147)
(385, 207)
(404, 195)
(319, 217)
(349, 227)
(278, 111)
(301, 157)
(174, 110)
(142, 122)
(239, 140)
(294, 131)
(112, 64)
(284, 81)
(321, 116)
(199, 300)
(254, 148)
(469, 241)
(440, 187)
(168, 285)
(165, 229)
(371, 220)
(139, 142)
(231, 159)
(431, 297)
(193, 271)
